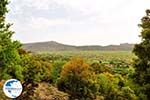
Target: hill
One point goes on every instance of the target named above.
(55, 46)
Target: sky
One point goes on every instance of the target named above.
(77, 22)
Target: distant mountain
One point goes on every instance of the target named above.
(55, 46)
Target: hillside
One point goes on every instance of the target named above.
(55, 46)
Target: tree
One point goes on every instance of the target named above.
(9, 56)
(35, 71)
(78, 81)
(142, 63)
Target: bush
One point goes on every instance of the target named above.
(112, 87)
(37, 70)
(106, 85)
(56, 70)
(99, 68)
(77, 80)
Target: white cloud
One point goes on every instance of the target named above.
(103, 21)
(43, 22)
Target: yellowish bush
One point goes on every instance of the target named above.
(77, 80)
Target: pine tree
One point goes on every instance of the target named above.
(9, 56)
(142, 63)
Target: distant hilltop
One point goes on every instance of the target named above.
(55, 46)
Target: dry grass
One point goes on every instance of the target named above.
(48, 92)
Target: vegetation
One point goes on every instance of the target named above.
(9, 57)
(142, 63)
(77, 80)
(76, 75)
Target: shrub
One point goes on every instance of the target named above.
(106, 85)
(77, 80)
(99, 68)
(56, 70)
(36, 69)
(112, 87)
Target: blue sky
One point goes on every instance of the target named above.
(77, 22)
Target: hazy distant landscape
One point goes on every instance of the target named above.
(55, 46)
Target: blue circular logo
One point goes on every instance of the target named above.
(12, 88)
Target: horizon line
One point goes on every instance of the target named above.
(76, 45)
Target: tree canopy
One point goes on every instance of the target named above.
(9, 56)
(142, 64)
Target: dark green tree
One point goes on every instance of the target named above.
(142, 63)
(9, 56)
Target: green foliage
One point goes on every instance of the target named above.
(106, 87)
(77, 80)
(112, 87)
(56, 70)
(99, 68)
(101, 56)
(9, 56)
(142, 64)
(36, 69)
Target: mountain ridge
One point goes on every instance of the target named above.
(56, 46)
